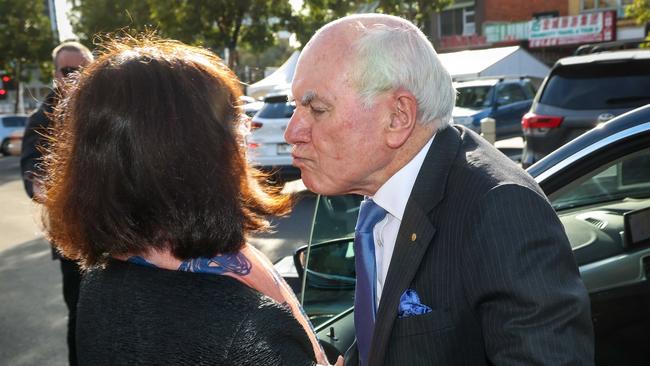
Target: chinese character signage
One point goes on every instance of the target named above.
(583, 28)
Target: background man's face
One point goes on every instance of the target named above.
(67, 60)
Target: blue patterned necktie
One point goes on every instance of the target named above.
(364, 255)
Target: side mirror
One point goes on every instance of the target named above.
(331, 264)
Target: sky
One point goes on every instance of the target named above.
(65, 29)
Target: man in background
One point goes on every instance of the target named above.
(68, 57)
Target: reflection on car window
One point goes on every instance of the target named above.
(335, 217)
(601, 85)
(277, 110)
(14, 121)
(627, 177)
(329, 271)
(510, 93)
(474, 97)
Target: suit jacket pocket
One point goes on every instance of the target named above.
(436, 320)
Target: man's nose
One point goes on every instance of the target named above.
(297, 129)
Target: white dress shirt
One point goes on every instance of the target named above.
(392, 196)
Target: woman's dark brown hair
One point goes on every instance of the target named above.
(147, 154)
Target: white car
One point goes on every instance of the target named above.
(9, 124)
(267, 148)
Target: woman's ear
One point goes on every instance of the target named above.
(402, 119)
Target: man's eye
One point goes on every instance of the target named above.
(316, 110)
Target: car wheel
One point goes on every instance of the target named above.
(4, 148)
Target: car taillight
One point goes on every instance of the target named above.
(255, 125)
(532, 120)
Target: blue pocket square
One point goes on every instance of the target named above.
(409, 305)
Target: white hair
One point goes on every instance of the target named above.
(400, 56)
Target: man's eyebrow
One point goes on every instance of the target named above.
(308, 97)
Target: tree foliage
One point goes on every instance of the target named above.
(216, 24)
(639, 10)
(27, 34)
(27, 38)
(316, 13)
(92, 17)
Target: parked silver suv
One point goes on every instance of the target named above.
(581, 92)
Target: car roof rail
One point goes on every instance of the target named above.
(498, 77)
(590, 48)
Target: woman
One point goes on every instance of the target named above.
(150, 190)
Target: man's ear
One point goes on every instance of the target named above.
(402, 119)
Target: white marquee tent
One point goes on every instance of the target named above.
(513, 60)
(462, 65)
(279, 80)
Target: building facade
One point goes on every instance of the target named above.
(549, 29)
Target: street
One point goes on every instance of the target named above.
(32, 313)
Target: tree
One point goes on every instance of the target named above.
(316, 13)
(218, 24)
(417, 11)
(639, 10)
(222, 24)
(27, 40)
(92, 17)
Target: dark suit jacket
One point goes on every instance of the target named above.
(492, 260)
(33, 142)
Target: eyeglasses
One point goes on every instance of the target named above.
(68, 70)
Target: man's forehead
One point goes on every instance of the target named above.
(70, 58)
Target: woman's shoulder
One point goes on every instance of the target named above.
(201, 289)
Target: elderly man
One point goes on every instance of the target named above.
(460, 258)
(68, 57)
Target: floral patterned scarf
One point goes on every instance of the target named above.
(249, 266)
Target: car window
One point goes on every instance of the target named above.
(625, 178)
(329, 264)
(277, 110)
(335, 217)
(473, 97)
(14, 121)
(510, 93)
(623, 85)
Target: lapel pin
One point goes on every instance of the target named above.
(413, 237)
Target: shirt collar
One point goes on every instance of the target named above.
(393, 195)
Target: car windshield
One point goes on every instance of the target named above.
(14, 121)
(616, 85)
(627, 177)
(474, 97)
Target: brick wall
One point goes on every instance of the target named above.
(521, 10)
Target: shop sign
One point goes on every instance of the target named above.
(583, 28)
(506, 32)
(462, 41)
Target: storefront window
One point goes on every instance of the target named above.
(458, 21)
(604, 4)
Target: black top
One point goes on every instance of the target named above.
(135, 315)
(33, 140)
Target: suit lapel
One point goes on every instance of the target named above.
(415, 234)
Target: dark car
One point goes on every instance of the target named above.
(599, 185)
(581, 92)
(505, 99)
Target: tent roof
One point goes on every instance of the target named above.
(512, 60)
(280, 79)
